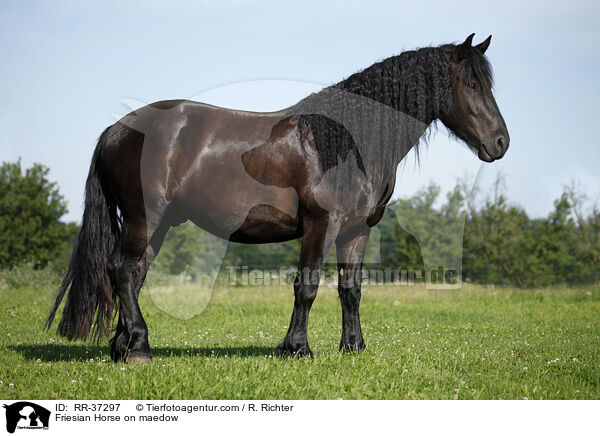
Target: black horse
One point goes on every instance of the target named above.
(322, 170)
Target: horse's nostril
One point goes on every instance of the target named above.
(501, 143)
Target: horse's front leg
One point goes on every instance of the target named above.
(319, 235)
(350, 255)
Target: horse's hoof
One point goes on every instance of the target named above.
(287, 350)
(352, 347)
(138, 358)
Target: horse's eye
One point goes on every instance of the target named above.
(472, 85)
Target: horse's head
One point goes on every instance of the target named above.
(474, 115)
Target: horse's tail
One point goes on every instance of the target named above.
(87, 281)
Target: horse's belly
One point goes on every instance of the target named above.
(243, 210)
(267, 224)
(262, 224)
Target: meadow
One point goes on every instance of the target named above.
(471, 343)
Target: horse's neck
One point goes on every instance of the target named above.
(384, 167)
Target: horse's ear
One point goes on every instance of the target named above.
(469, 41)
(484, 45)
(463, 50)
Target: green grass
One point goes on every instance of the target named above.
(473, 343)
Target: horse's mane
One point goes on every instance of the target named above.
(415, 86)
(415, 82)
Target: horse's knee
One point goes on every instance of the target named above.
(305, 293)
(306, 286)
(350, 277)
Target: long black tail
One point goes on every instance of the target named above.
(87, 281)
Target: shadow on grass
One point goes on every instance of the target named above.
(59, 352)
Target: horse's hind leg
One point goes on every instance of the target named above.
(350, 254)
(131, 260)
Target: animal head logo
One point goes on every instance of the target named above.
(26, 415)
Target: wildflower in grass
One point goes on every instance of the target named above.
(100, 378)
(11, 385)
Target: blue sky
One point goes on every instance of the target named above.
(67, 67)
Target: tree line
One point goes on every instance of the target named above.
(486, 238)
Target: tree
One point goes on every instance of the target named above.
(499, 243)
(30, 211)
(435, 239)
(556, 245)
(587, 234)
(503, 245)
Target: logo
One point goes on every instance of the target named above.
(26, 415)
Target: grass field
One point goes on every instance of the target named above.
(473, 343)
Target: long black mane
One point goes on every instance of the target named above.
(411, 91)
(415, 82)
